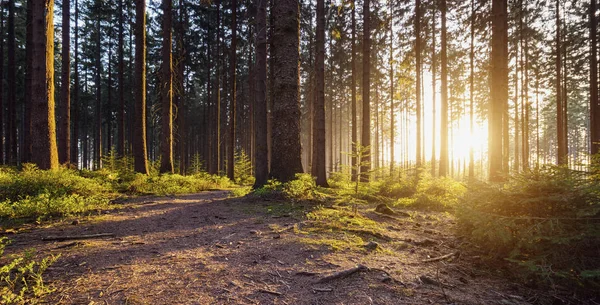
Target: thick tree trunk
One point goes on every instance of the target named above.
(498, 89)
(140, 153)
(180, 88)
(319, 106)
(64, 134)
(43, 140)
(260, 109)
(166, 143)
(366, 111)
(233, 104)
(287, 157)
(444, 127)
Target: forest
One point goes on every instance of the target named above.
(299, 152)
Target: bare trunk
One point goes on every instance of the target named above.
(287, 158)
(318, 161)
(444, 127)
(366, 111)
(140, 153)
(166, 143)
(498, 89)
(233, 87)
(43, 140)
(64, 134)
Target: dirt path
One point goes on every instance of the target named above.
(210, 249)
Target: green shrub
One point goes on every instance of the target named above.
(33, 193)
(21, 277)
(545, 223)
(169, 184)
(432, 193)
(302, 188)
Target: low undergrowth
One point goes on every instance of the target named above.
(30, 194)
(546, 224)
(21, 276)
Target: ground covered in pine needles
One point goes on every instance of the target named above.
(213, 248)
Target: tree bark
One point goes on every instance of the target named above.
(166, 143)
(121, 85)
(64, 134)
(392, 110)
(2, 134)
(498, 89)
(140, 153)
(594, 103)
(433, 87)
(11, 81)
(419, 144)
(233, 87)
(98, 127)
(560, 122)
(354, 114)
(471, 89)
(366, 111)
(75, 105)
(319, 106)
(444, 159)
(261, 172)
(43, 135)
(287, 157)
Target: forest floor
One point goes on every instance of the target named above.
(209, 248)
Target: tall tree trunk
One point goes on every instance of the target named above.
(594, 102)
(444, 159)
(11, 80)
(75, 107)
(433, 87)
(261, 151)
(287, 158)
(366, 110)
(121, 85)
(219, 148)
(140, 153)
(2, 135)
(516, 101)
(26, 151)
(392, 110)
(561, 136)
(319, 107)
(354, 114)
(44, 151)
(166, 143)
(98, 129)
(180, 88)
(233, 87)
(498, 88)
(471, 89)
(524, 92)
(419, 144)
(64, 134)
